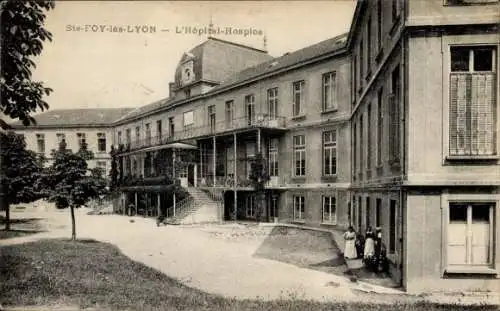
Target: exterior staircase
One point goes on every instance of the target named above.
(198, 208)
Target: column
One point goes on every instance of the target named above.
(158, 206)
(201, 161)
(258, 140)
(143, 159)
(173, 174)
(213, 160)
(195, 173)
(136, 203)
(235, 207)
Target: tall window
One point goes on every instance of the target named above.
(212, 118)
(159, 130)
(378, 212)
(355, 149)
(250, 207)
(329, 210)
(230, 160)
(330, 153)
(137, 133)
(367, 212)
(250, 108)
(473, 87)
(394, 117)
(392, 227)
(369, 136)
(298, 97)
(171, 126)
(380, 25)
(81, 138)
(470, 234)
(298, 208)
(101, 142)
(361, 62)
(40, 141)
(329, 91)
(358, 213)
(147, 133)
(229, 113)
(60, 138)
(299, 154)
(380, 125)
(188, 118)
(369, 44)
(272, 103)
(361, 143)
(273, 157)
(119, 138)
(129, 136)
(354, 76)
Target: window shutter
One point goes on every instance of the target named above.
(482, 107)
(459, 136)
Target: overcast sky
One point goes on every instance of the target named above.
(107, 69)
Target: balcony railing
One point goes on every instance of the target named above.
(257, 121)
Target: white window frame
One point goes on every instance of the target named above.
(250, 105)
(329, 88)
(81, 138)
(298, 87)
(137, 133)
(272, 103)
(299, 153)
(229, 108)
(147, 133)
(128, 134)
(330, 144)
(119, 137)
(298, 203)
(328, 217)
(446, 199)
(100, 137)
(188, 119)
(273, 157)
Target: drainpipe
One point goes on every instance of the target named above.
(235, 143)
(173, 174)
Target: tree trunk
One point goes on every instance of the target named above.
(7, 215)
(73, 224)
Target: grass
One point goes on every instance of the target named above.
(90, 274)
(304, 248)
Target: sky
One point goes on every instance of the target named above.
(90, 64)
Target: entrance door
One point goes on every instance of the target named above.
(191, 174)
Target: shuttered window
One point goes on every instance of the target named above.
(472, 101)
(394, 118)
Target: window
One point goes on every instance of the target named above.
(470, 234)
(354, 76)
(171, 126)
(361, 143)
(81, 139)
(101, 142)
(368, 45)
(367, 213)
(380, 24)
(272, 103)
(129, 136)
(299, 154)
(298, 208)
(329, 210)
(273, 157)
(159, 130)
(394, 124)
(355, 144)
(188, 118)
(392, 227)
(358, 213)
(250, 108)
(230, 160)
(329, 91)
(395, 10)
(229, 113)
(330, 153)
(298, 97)
(380, 125)
(137, 133)
(273, 210)
(119, 138)
(60, 138)
(250, 207)
(369, 136)
(361, 62)
(187, 93)
(473, 86)
(378, 212)
(147, 129)
(212, 117)
(40, 140)
(102, 165)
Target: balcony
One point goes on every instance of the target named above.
(218, 128)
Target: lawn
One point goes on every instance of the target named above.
(91, 274)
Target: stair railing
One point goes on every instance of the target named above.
(180, 207)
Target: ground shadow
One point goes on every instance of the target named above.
(9, 234)
(21, 227)
(304, 248)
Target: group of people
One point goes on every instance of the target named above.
(368, 247)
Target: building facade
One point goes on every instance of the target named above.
(74, 126)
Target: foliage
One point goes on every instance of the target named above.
(69, 182)
(113, 173)
(23, 35)
(20, 171)
(259, 176)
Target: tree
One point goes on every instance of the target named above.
(69, 181)
(259, 176)
(19, 172)
(22, 37)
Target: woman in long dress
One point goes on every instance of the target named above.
(350, 249)
(369, 244)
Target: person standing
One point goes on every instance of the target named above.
(349, 248)
(369, 250)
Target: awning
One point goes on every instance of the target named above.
(182, 146)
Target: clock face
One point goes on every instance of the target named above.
(187, 72)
